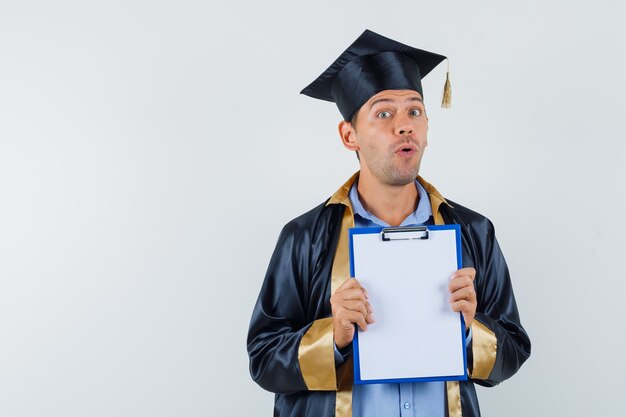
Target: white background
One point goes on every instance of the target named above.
(138, 139)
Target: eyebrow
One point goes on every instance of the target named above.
(388, 100)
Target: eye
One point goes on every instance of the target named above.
(384, 115)
(415, 112)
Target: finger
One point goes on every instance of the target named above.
(348, 294)
(356, 318)
(364, 309)
(350, 283)
(460, 282)
(463, 306)
(361, 307)
(465, 293)
(469, 272)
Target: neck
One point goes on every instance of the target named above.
(390, 203)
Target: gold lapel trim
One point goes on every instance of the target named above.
(340, 273)
(453, 391)
(436, 199)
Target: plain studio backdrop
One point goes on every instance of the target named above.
(151, 151)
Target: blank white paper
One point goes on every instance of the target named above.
(416, 333)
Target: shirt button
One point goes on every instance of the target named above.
(406, 405)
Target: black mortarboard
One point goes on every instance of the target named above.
(373, 63)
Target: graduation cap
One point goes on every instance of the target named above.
(374, 63)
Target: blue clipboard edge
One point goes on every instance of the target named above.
(355, 343)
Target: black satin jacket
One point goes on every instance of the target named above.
(297, 290)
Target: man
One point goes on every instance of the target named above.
(300, 335)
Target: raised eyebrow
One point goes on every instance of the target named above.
(388, 100)
(380, 100)
(415, 99)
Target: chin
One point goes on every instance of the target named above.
(396, 176)
(401, 180)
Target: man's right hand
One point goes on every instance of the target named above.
(349, 306)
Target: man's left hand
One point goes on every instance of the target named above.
(463, 296)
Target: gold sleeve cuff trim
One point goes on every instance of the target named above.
(316, 356)
(484, 350)
(453, 391)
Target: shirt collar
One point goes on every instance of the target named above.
(420, 216)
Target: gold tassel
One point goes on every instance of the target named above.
(446, 99)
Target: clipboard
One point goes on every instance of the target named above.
(416, 337)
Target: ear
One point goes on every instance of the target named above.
(348, 136)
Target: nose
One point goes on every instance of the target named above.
(404, 127)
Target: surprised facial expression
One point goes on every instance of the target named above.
(390, 135)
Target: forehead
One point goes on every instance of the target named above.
(393, 95)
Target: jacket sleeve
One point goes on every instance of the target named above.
(290, 339)
(500, 344)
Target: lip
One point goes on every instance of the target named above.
(406, 149)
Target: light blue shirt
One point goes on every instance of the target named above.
(363, 218)
(416, 399)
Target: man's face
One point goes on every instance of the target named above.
(390, 135)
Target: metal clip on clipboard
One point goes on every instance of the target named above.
(404, 233)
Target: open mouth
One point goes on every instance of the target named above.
(406, 151)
